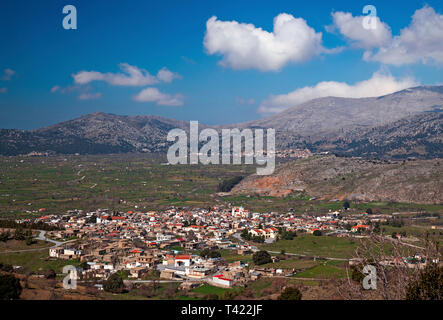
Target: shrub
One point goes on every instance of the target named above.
(10, 287)
(50, 274)
(429, 285)
(261, 257)
(290, 293)
(114, 284)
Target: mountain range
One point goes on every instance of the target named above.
(408, 123)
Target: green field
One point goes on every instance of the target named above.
(15, 245)
(321, 246)
(36, 261)
(291, 263)
(323, 271)
(124, 182)
(120, 182)
(232, 256)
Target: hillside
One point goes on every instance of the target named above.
(331, 116)
(404, 124)
(417, 136)
(96, 133)
(329, 177)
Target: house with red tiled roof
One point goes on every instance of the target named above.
(360, 226)
(220, 280)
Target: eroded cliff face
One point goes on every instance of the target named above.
(329, 177)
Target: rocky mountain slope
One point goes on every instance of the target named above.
(404, 124)
(417, 136)
(94, 133)
(331, 116)
(329, 177)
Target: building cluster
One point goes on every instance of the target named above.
(170, 243)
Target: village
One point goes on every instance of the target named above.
(179, 244)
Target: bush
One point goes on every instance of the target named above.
(290, 293)
(429, 285)
(50, 274)
(10, 287)
(261, 257)
(29, 241)
(210, 253)
(317, 233)
(357, 274)
(227, 185)
(114, 284)
(4, 236)
(6, 267)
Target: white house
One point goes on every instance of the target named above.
(219, 279)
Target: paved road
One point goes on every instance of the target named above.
(238, 237)
(318, 257)
(404, 243)
(42, 237)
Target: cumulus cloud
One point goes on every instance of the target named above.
(421, 41)
(130, 76)
(161, 99)
(244, 46)
(379, 84)
(7, 74)
(352, 28)
(167, 76)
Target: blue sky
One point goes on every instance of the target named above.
(152, 35)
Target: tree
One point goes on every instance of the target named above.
(18, 234)
(10, 287)
(317, 233)
(114, 284)
(369, 211)
(290, 293)
(6, 267)
(261, 257)
(227, 185)
(429, 285)
(357, 274)
(346, 205)
(50, 274)
(4, 236)
(29, 241)
(205, 253)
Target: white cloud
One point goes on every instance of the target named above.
(162, 99)
(130, 76)
(243, 46)
(167, 76)
(352, 28)
(55, 89)
(379, 84)
(89, 96)
(68, 89)
(7, 74)
(3, 90)
(421, 41)
(83, 91)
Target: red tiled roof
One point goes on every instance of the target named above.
(118, 218)
(183, 257)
